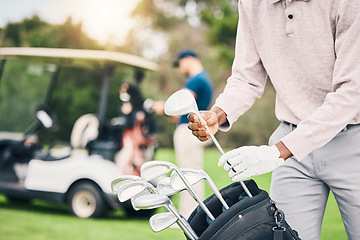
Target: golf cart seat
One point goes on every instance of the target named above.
(85, 129)
(13, 149)
(6, 136)
(97, 138)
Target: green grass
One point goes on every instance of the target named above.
(44, 221)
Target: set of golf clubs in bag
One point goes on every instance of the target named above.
(238, 211)
(144, 195)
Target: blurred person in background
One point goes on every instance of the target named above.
(189, 151)
(138, 136)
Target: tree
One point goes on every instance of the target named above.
(34, 32)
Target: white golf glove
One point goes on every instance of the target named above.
(249, 161)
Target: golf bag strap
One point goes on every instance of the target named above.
(279, 229)
(278, 234)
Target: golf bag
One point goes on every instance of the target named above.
(255, 218)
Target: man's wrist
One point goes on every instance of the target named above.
(221, 115)
(284, 151)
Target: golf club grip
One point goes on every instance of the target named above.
(222, 152)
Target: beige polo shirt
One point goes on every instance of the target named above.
(311, 52)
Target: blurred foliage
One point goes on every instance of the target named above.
(33, 32)
(222, 21)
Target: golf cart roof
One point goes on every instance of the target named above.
(76, 57)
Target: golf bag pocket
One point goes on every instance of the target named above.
(255, 218)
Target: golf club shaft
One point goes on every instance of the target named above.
(182, 223)
(194, 195)
(215, 141)
(209, 181)
(217, 192)
(222, 152)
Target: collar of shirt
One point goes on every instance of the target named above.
(275, 1)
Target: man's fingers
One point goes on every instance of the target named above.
(196, 126)
(201, 133)
(225, 159)
(192, 117)
(203, 139)
(242, 176)
(239, 168)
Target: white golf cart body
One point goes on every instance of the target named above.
(55, 180)
(61, 174)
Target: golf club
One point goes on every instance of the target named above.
(153, 169)
(194, 176)
(151, 201)
(117, 183)
(183, 102)
(164, 187)
(131, 187)
(161, 221)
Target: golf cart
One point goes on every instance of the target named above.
(78, 173)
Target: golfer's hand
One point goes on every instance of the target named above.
(249, 161)
(198, 127)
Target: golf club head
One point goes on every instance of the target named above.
(145, 192)
(120, 181)
(131, 189)
(150, 201)
(154, 169)
(180, 103)
(164, 187)
(192, 175)
(161, 221)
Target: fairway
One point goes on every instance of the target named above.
(45, 221)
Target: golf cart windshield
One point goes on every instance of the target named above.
(23, 86)
(28, 78)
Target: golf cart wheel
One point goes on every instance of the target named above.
(85, 201)
(131, 212)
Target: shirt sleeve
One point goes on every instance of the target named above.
(248, 78)
(342, 104)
